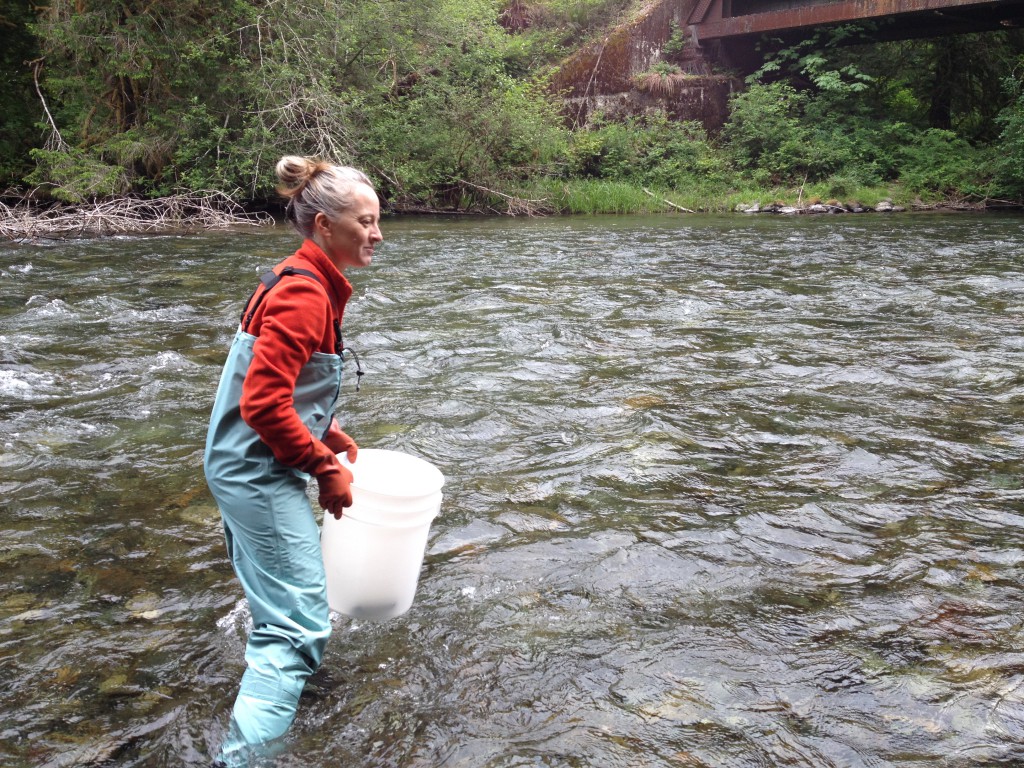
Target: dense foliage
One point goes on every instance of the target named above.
(445, 103)
(18, 60)
(923, 113)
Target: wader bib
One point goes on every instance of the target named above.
(272, 539)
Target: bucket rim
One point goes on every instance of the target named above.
(434, 478)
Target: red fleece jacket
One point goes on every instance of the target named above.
(294, 320)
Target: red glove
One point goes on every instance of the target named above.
(335, 488)
(339, 442)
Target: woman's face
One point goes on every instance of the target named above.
(349, 238)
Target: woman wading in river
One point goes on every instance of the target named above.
(273, 427)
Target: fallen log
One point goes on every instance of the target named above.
(666, 202)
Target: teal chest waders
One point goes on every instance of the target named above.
(273, 541)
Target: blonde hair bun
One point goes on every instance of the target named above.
(294, 173)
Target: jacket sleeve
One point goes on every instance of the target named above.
(292, 326)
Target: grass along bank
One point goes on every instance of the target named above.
(595, 196)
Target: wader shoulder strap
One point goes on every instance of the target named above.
(269, 279)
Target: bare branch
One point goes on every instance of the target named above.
(516, 205)
(55, 139)
(177, 213)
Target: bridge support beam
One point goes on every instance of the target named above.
(614, 77)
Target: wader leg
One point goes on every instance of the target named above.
(276, 555)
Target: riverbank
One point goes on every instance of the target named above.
(26, 219)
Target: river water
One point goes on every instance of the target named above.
(721, 491)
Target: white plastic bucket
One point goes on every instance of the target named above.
(374, 553)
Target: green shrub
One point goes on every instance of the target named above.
(765, 133)
(1009, 167)
(648, 151)
(938, 161)
(677, 42)
(76, 176)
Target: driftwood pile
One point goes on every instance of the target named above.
(177, 213)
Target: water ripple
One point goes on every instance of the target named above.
(720, 492)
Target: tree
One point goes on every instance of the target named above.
(21, 105)
(159, 96)
(1009, 180)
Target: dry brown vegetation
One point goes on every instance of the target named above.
(176, 213)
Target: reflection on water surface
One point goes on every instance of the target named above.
(721, 492)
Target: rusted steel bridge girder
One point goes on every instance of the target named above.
(729, 39)
(723, 19)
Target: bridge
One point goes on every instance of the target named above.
(732, 27)
(722, 45)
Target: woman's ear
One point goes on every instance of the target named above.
(321, 224)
